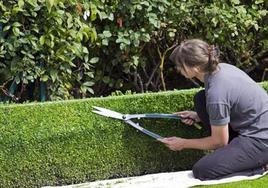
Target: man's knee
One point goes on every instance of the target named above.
(199, 171)
(203, 171)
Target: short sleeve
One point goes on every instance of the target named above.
(219, 114)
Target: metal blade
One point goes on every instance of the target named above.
(107, 112)
(99, 112)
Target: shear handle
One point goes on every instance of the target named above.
(145, 131)
(157, 115)
(154, 115)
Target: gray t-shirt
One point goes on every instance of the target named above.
(233, 97)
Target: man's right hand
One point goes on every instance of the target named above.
(189, 117)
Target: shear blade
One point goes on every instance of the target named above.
(107, 112)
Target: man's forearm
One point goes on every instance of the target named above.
(207, 143)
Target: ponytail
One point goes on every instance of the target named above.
(213, 58)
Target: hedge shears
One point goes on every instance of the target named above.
(128, 119)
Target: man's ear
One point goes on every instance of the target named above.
(197, 69)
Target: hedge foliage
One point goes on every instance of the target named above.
(81, 47)
(57, 143)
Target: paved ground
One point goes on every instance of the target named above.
(181, 179)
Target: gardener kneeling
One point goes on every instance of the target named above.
(233, 106)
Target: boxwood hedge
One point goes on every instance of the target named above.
(59, 143)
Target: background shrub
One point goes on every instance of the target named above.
(80, 47)
(45, 41)
(133, 51)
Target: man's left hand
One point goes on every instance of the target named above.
(174, 143)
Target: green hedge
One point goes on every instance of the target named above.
(59, 143)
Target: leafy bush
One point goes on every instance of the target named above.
(83, 47)
(46, 41)
(133, 53)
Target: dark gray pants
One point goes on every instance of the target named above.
(242, 156)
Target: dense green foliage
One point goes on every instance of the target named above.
(64, 142)
(46, 40)
(58, 143)
(134, 52)
(81, 47)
